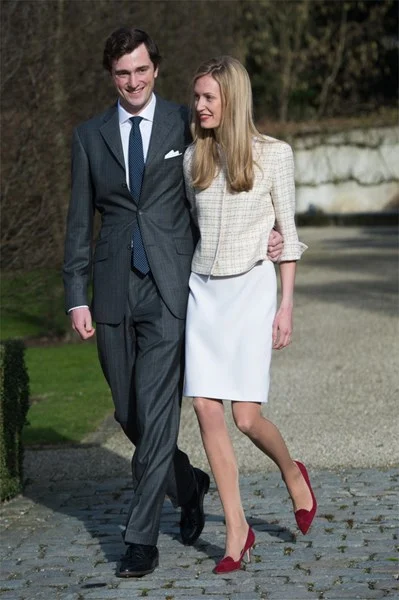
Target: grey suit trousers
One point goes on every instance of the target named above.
(142, 359)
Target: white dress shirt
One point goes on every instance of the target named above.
(125, 126)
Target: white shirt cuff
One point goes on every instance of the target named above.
(81, 306)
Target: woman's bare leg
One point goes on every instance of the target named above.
(223, 463)
(266, 436)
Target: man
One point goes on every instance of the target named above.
(127, 164)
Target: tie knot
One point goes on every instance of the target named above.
(136, 122)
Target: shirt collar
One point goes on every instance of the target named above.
(147, 113)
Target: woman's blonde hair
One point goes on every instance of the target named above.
(235, 132)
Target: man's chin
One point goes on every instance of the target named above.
(135, 104)
(131, 107)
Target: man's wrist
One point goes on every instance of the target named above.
(75, 307)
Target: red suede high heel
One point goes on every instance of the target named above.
(304, 517)
(227, 564)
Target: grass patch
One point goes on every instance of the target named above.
(32, 304)
(68, 392)
(69, 395)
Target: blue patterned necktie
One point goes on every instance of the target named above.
(136, 171)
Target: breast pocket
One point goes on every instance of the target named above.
(174, 162)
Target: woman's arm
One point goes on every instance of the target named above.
(282, 324)
(283, 198)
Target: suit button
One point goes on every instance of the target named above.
(140, 212)
(124, 185)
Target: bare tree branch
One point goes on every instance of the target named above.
(339, 53)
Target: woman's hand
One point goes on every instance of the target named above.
(282, 327)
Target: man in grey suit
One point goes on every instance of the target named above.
(127, 164)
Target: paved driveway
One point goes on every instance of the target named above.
(334, 396)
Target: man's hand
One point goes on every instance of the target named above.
(275, 245)
(81, 322)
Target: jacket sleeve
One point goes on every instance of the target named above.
(190, 193)
(79, 229)
(283, 198)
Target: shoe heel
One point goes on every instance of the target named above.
(227, 564)
(247, 556)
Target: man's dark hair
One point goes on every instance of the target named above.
(124, 41)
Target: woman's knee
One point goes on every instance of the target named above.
(245, 426)
(246, 421)
(208, 410)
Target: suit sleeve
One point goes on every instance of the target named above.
(283, 198)
(79, 230)
(190, 193)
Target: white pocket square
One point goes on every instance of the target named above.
(172, 154)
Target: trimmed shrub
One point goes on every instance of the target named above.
(14, 404)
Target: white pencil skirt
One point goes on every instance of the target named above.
(229, 335)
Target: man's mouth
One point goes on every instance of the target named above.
(135, 92)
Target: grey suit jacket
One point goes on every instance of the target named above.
(99, 183)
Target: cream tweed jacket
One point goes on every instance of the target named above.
(235, 227)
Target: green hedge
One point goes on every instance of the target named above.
(14, 404)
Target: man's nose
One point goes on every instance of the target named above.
(132, 80)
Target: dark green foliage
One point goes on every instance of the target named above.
(314, 59)
(14, 404)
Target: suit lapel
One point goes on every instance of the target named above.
(111, 134)
(160, 129)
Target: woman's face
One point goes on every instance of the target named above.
(208, 102)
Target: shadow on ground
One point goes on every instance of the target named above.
(89, 503)
(356, 271)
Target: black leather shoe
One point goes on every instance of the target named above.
(139, 560)
(192, 514)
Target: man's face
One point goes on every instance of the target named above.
(134, 77)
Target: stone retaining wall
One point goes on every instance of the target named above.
(356, 171)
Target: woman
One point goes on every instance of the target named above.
(240, 185)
